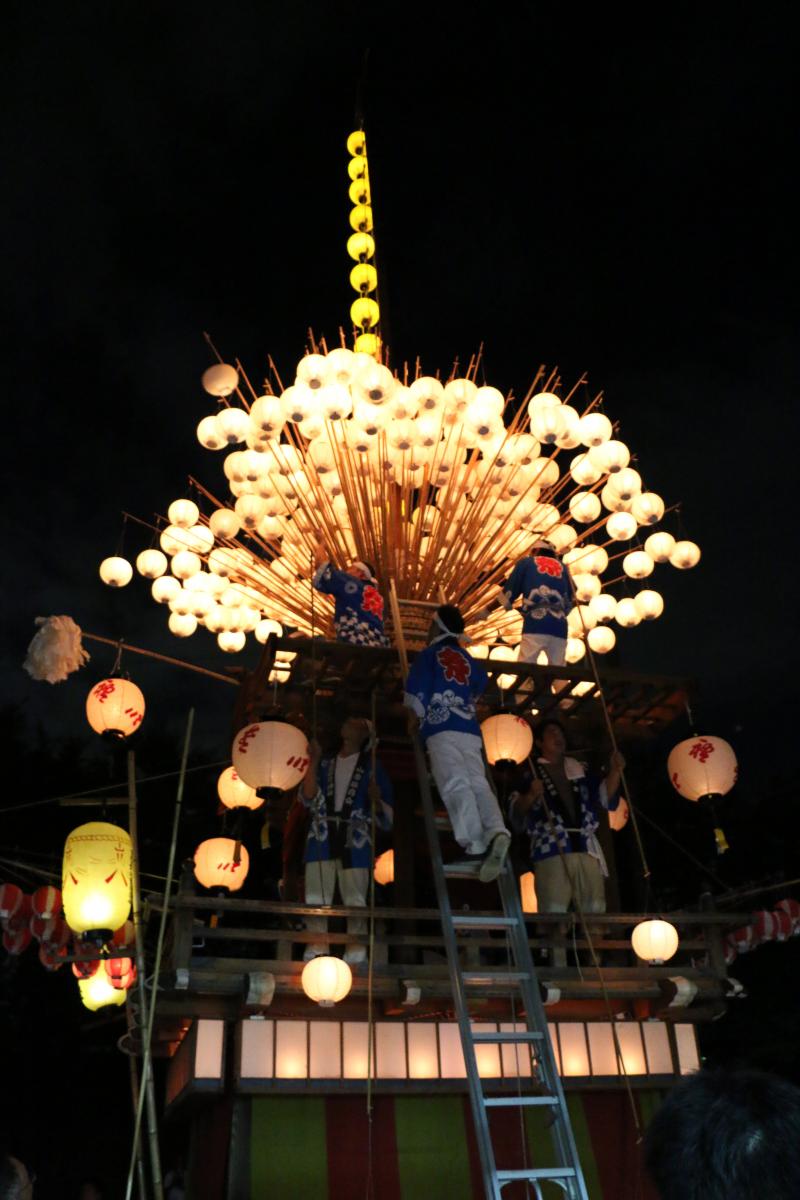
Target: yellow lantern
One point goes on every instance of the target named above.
(221, 863)
(361, 218)
(271, 754)
(98, 992)
(235, 793)
(115, 707)
(357, 143)
(368, 343)
(506, 738)
(359, 190)
(364, 278)
(702, 766)
(357, 167)
(655, 941)
(96, 880)
(116, 571)
(384, 868)
(364, 313)
(326, 980)
(361, 246)
(527, 893)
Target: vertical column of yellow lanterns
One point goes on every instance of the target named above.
(364, 311)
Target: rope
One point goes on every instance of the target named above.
(110, 787)
(174, 662)
(371, 956)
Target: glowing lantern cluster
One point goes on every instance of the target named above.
(115, 707)
(655, 941)
(326, 980)
(98, 991)
(702, 766)
(364, 311)
(270, 754)
(221, 863)
(506, 738)
(96, 885)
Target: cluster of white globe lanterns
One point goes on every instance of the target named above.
(439, 485)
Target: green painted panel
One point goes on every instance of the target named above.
(288, 1148)
(540, 1144)
(432, 1148)
(649, 1104)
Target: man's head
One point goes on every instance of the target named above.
(15, 1181)
(446, 619)
(551, 738)
(356, 733)
(541, 546)
(362, 570)
(726, 1135)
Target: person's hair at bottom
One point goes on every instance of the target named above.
(727, 1135)
(540, 728)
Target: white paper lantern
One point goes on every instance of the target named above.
(660, 546)
(575, 650)
(151, 563)
(648, 508)
(165, 589)
(183, 513)
(569, 437)
(685, 555)
(586, 587)
(613, 501)
(541, 402)
(210, 435)
(116, 572)
(584, 507)
(341, 364)
(627, 483)
(264, 628)
(224, 523)
(267, 416)
(199, 538)
(604, 607)
(584, 471)
(172, 539)
(336, 402)
(594, 428)
(627, 614)
(506, 738)
(271, 754)
(234, 424)
(547, 424)
(231, 640)
(235, 793)
(181, 603)
(638, 564)
(621, 526)
(185, 564)
(649, 604)
(655, 941)
(601, 639)
(702, 766)
(610, 456)
(220, 380)
(182, 624)
(326, 980)
(115, 706)
(221, 863)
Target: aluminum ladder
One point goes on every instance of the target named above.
(566, 1172)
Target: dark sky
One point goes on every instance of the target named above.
(610, 196)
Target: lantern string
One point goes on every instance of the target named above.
(108, 787)
(174, 662)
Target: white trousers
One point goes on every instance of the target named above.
(460, 773)
(531, 644)
(321, 878)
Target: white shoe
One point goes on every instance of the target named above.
(495, 858)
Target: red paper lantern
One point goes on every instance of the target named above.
(21, 918)
(46, 902)
(59, 935)
(125, 935)
(10, 900)
(87, 967)
(17, 941)
(52, 959)
(42, 928)
(119, 971)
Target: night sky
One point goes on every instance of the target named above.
(610, 196)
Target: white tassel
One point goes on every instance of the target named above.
(56, 650)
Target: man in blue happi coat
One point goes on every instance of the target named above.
(558, 805)
(542, 580)
(341, 791)
(441, 690)
(358, 605)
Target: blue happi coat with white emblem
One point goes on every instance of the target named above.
(543, 583)
(442, 687)
(545, 821)
(347, 834)
(358, 606)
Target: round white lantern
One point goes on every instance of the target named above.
(575, 650)
(649, 604)
(220, 380)
(116, 572)
(610, 456)
(271, 754)
(660, 546)
(313, 371)
(264, 628)
(627, 483)
(221, 863)
(326, 980)
(684, 556)
(235, 793)
(506, 738)
(151, 563)
(638, 564)
(604, 607)
(702, 766)
(210, 435)
(627, 614)
(586, 587)
(584, 507)
(594, 428)
(384, 868)
(115, 706)
(621, 526)
(231, 640)
(601, 639)
(198, 538)
(234, 424)
(165, 589)
(266, 416)
(613, 501)
(185, 564)
(655, 941)
(182, 624)
(224, 523)
(584, 471)
(183, 513)
(527, 893)
(648, 508)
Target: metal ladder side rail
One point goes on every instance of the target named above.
(536, 1019)
(479, 1115)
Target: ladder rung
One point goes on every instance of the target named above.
(464, 921)
(463, 870)
(476, 977)
(537, 1173)
(507, 1036)
(513, 1101)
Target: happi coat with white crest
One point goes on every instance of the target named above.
(358, 606)
(347, 835)
(546, 821)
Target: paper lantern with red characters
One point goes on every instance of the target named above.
(702, 766)
(96, 883)
(270, 754)
(221, 863)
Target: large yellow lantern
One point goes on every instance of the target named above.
(271, 754)
(221, 863)
(384, 868)
(527, 893)
(98, 991)
(96, 881)
(702, 766)
(115, 707)
(655, 941)
(326, 980)
(506, 738)
(235, 793)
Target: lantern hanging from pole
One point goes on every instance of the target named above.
(96, 886)
(221, 863)
(271, 754)
(235, 793)
(384, 868)
(506, 738)
(115, 707)
(52, 958)
(326, 980)
(17, 941)
(46, 902)
(527, 893)
(618, 817)
(10, 900)
(702, 766)
(97, 991)
(655, 941)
